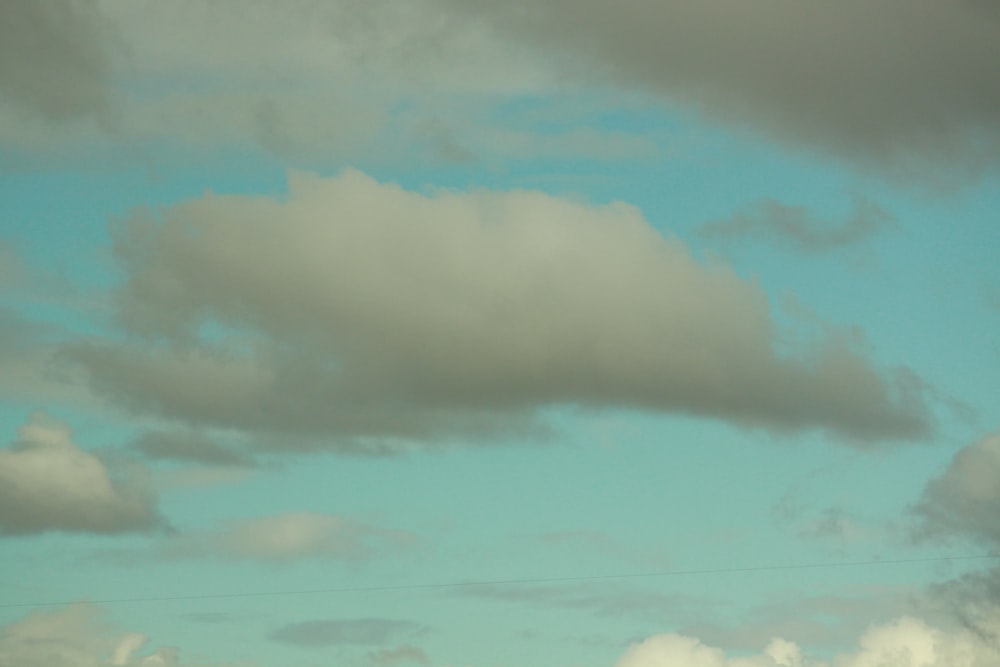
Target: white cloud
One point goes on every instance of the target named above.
(48, 483)
(367, 314)
(670, 650)
(76, 636)
(904, 642)
(911, 642)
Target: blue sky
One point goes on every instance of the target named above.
(482, 334)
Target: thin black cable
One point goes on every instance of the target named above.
(509, 582)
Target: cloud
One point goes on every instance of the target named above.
(359, 631)
(76, 636)
(895, 81)
(189, 447)
(904, 642)
(307, 81)
(48, 483)
(824, 623)
(410, 45)
(671, 649)
(287, 537)
(964, 502)
(54, 59)
(836, 524)
(402, 655)
(973, 600)
(26, 372)
(795, 227)
(911, 642)
(363, 314)
(906, 83)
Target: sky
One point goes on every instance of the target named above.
(440, 333)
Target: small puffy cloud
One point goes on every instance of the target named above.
(904, 642)
(287, 537)
(49, 483)
(794, 226)
(355, 631)
(77, 636)
(964, 501)
(365, 314)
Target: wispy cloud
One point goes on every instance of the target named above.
(284, 538)
(356, 631)
(796, 227)
(190, 446)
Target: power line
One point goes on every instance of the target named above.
(509, 582)
(514, 582)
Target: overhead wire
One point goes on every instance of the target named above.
(509, 582)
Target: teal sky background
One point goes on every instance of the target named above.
(395, 455)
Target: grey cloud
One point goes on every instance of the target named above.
(973, 600)
(895, 81)
(54, 60)
(359, 631)
(366, 314)
(48, 483)
(304, 80)
(795, 226)
(294, 398)
(189, 447)
(964, 502)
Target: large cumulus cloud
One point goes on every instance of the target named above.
(361, 312)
